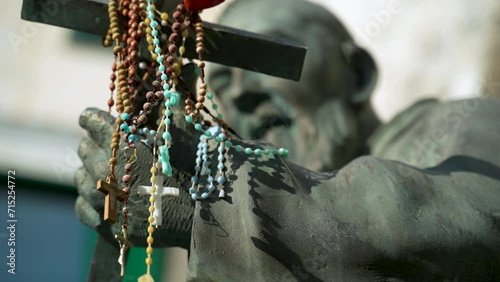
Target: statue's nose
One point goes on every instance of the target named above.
(247, 100)
(246, 92)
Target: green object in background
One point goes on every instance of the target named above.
(47, 227)
(136, 265)
(88, 250)
(35, 204)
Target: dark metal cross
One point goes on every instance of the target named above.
(260, 53)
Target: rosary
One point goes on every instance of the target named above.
(141, 19)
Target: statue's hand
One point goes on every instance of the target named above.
(94, 151)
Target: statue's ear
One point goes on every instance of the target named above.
(363, 72)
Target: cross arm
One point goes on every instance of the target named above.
(265, 54)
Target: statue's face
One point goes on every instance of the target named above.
(307, 117)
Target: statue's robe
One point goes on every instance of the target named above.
(424, 206)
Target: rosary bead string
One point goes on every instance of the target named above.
(152, 199)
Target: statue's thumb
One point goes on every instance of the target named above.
(99, 124)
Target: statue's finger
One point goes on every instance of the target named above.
(86, 187)
(86, 213)
(99, 124)
(94, 158)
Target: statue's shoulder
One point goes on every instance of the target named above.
(431, 131)
(385, 135)
(484, 110)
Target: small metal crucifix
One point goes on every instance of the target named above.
(124, 246)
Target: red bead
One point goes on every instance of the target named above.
(176, 26)
(126, 178)
(111, 102)
(178, 16)
(156, 85)
(181, 8)
(172, 49)
(173, 38)
(142, 119)
(197, 5)
(133, 54)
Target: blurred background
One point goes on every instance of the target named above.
(443, 49)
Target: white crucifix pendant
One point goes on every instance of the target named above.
(160, 192)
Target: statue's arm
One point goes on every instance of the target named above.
(373, 218)
(439, 134)
(427, 224)
(445, 171)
